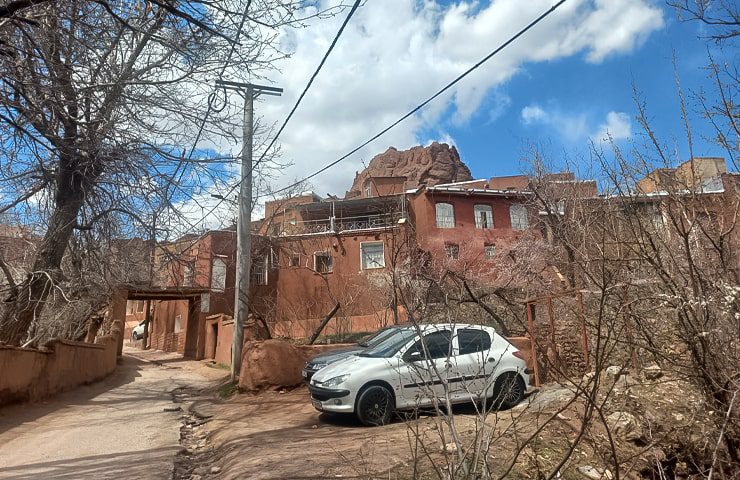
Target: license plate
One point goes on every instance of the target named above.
(305, 374)
(316, 404)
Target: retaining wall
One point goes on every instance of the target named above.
(28, 375)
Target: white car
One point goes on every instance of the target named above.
(407, 370)
(137, 333)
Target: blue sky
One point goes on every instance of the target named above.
(577, 90)
(564, 83)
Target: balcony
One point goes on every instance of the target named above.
(341, 224)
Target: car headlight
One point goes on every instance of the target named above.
(335, 381)
(317, 366)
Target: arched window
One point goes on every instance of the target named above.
(519, 217)
(483, 216)
(445, 215)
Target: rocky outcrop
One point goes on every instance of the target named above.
(432, 165)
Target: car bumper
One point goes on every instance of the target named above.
(330, 400)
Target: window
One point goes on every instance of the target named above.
(129, 307)
(368, 190)
(656, 216)
(473, 340)
(140, 306)
(259, 271)
(218, 275)
(177, 327)
(483, 216)
(372, 255)
(452, 250)
(322, 262)
(188, 273)
(439, 345)
(294, 260)
(519, 217)
(445, 215)
(274, 258)
(490, 251)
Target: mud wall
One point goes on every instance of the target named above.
(219, 334)
(28, 375)
(276, 363)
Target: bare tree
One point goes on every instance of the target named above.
(97, 101)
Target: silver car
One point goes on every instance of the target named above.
(414, 366)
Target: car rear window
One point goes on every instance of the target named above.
(473, 340)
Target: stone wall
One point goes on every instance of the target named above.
(28, 375)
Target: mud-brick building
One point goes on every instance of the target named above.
(342, 251)
(204, 262)
(469, 220)
(333, 251)
(312, 253)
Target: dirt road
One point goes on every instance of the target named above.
(119, 428)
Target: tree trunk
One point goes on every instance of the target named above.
(30, 298)
(326, 319)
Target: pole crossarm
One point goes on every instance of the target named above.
(256, 89)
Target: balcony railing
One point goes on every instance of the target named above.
(342, 224)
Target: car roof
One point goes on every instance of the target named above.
(437, 326)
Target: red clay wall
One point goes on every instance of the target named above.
(354, 323)
(163, 333)
(301, 293)
(429, 237)
(276, 363)
(29, 375)
(219, 334)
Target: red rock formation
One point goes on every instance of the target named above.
(432, 165)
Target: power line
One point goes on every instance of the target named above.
(292, 111)
(427, 101)
(209, 110)
(310, 82)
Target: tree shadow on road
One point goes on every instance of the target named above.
(131, 464)
(127, 370)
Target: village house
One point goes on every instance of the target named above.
(312, 253)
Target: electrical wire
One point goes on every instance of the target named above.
(352, 11)
(426, 102)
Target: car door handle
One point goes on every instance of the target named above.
(491, 360)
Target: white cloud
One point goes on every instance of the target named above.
(532, 114)
(385, 63)
(617, 126)
(574, 127)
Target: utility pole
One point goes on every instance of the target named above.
(244, 218)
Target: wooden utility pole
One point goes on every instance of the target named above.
(244, 218)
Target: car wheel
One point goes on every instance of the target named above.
(134, 336)
(375, 406)
(508, 390)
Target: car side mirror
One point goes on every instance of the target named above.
(413, 357)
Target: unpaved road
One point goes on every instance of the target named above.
(277, 436)
(117, 428)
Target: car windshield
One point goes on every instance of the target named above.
(377, 337)
(391, 344)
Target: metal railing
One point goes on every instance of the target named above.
(342, 224)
